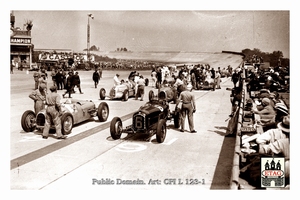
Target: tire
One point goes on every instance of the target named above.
(27, 120)
(103, 112)
(102, 93)
(151, 95)
(161, 131)
(176, 119)
(116, 128)
(146, 82)
(67, 123)
(125, 95)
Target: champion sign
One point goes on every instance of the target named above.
(20, 40)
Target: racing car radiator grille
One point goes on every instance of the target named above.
(40, 119)
(139, 122)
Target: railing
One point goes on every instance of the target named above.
(237, 150)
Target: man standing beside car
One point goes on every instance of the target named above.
(39, 97)
(53, 113)
(141, 88)
(188, 108)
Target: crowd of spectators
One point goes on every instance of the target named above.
(271, 115)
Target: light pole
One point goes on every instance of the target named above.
(88, 37)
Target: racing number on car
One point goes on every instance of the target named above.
(139, 122)
(159, 107)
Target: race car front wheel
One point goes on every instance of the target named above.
(161, 131)
(102, 93)
(151, 95)
(146, 82)
(103, 112)
(27, 121)
(116, 128)
(66, 123)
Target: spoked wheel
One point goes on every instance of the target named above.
(27, 121)
(116, 128)
(161, 131)
(67, 123)
(103, 112)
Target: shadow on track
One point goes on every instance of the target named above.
(222, 176)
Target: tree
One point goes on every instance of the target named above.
(92, 48)
(29, 25)
(275, 58)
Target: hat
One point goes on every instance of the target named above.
(281, 107)
(285, 124)
(53, 88)
(117, 75)
(265, 101)
(272, 95)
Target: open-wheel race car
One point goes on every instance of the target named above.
(207, 84)
(74, 112)
(150, 119)
(170, 93)
(123, 92)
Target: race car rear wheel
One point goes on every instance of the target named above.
(103, 112)
(102, 93)
(125, 95)
(151, 95)
(27, 121)
(116, 128)
(161, 131)
(67, 123)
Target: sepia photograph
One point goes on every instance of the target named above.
(169, 100)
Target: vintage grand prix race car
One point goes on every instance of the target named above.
(208, 84)
(123, 91)
(74, 112)
(170, 93)
(150, 119)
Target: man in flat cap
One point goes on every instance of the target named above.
(53, 113)
(39, 97)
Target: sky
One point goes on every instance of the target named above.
(159, 30)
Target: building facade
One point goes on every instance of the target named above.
(20, 44)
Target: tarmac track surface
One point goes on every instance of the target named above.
(91, 159)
